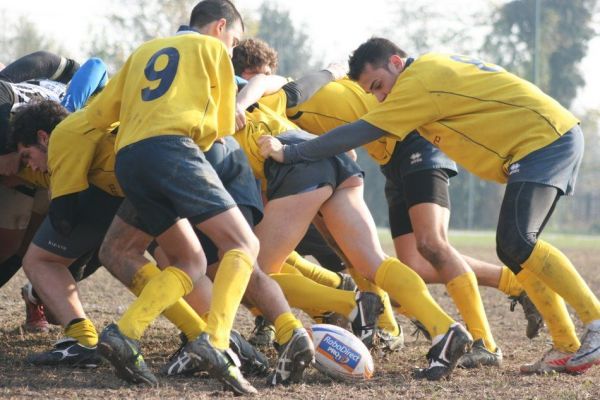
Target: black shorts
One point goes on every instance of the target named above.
(167, 178)
(289, 179)
(7, 100)
(95, 212)
(425, 186)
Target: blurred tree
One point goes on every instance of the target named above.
(565, 30)
(21, 37)
(277, 28)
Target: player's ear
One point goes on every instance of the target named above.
(221, 25)
(43, 137)
(397, 62)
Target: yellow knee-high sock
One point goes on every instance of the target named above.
(305, 294)
(508, 284)
(555, 270)
(229, 286)
(553, 309)
(289, 269)
(83, 330)
(465, 293)
(313, 271)
(160, 293)
(180, 314)
(284, 327)
(386, 320)
(408, 289)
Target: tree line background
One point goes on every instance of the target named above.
(504, 34)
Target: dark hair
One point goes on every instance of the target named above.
(375, 51)
(208, 11)
(253, 53)
(29, 119)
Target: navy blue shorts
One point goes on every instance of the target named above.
(289, 179)
(418, 172)
(167, 178)
(95, 212)
(555, 165)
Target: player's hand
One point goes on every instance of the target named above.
(240, 117)
(337, 70)
(9, 164)
(352, 154)
(271, 147)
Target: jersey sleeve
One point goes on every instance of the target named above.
(103, 111)
(223, 93)
(408, 106)
(69, 169)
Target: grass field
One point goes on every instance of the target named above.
(104, 300)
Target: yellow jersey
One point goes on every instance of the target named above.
(260, 121)
(179, 85)
(481, 116)
(80, 155)
(338, 103)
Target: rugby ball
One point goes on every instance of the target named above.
(339, 354)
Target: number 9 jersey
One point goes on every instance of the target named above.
(179, 85)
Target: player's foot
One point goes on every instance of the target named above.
(535, 322)
(263, 333)
(588, 354)
(125, 356)
(347, 282)
(35, 317)
(444, 354)
(222, 365)
(294, 357)
(67, 352)
(420, 330)
(552, 361)
(479, 356)
(388, 342)
(180, 362)
(254, 363)
(365, 315)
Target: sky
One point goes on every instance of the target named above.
(335, 27)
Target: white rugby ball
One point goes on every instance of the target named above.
(339, 354)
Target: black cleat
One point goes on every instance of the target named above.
(294, 357)
(480, 356)
(364, 318)
(125, 356)
(222, 365)
(254, 363)
(444, 355)
(67, 352)
(263, 333)
(420, 330)
(535, 322)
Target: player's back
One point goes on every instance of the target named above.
(179, 85)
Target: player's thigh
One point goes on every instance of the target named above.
(182, 248)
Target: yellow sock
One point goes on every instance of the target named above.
(83, 331)
(465, 293)
(408, 289)
(386, 320)
(289, 269)
(229, 286)
(313, 271)
(508, 284)
(180, 314)
(555, 270)
(160, 293)
(403, 311)
(553, 309)
(305, 294)
(284, 327)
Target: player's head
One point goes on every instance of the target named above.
(31, 129)
(252, 57)
(220, 19)
(375, 65)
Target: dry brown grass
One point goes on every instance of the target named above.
(105, 299)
